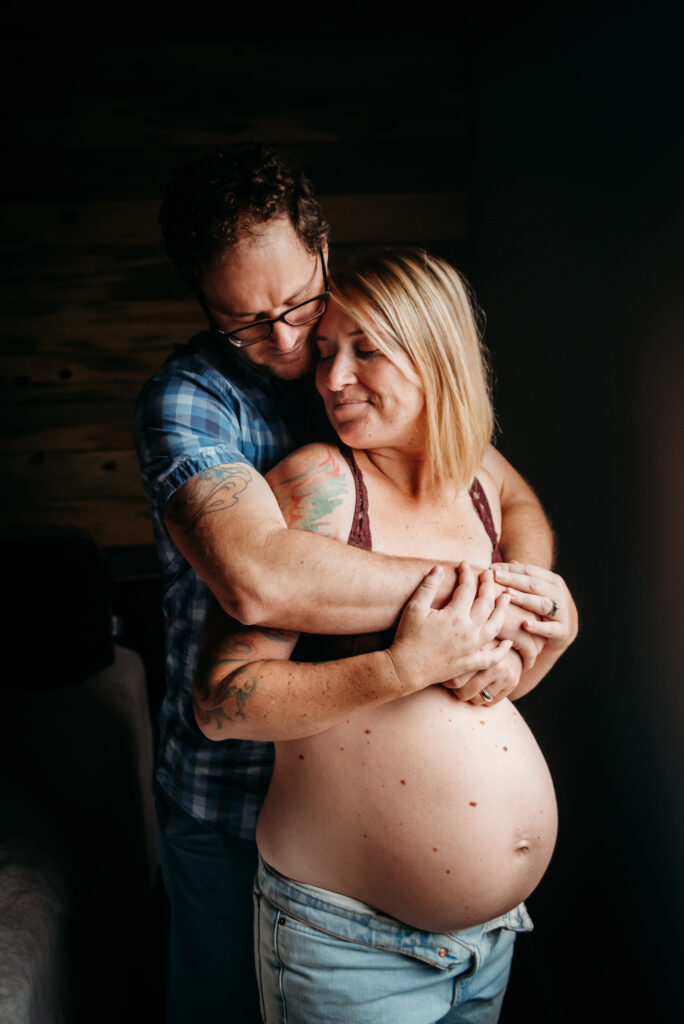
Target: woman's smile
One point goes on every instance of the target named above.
(370, 399)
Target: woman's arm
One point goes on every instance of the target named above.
(246, 688)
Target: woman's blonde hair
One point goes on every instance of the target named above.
(407, 298)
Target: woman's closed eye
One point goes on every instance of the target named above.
(360, 353)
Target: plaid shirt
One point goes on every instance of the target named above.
(204, 408)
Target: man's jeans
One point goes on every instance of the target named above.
(208, 879)
(327, 959)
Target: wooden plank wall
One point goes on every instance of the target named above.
(91, 305)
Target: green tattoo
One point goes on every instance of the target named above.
(308, 498)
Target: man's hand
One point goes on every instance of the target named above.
(526, 645)
(433, 645)
(543, 600)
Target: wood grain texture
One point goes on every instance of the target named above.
(91, 305)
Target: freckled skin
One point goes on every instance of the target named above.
(421, 822)
(456, 808)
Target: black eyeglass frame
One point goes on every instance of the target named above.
(234, 336)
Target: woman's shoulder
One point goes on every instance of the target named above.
(315, 490)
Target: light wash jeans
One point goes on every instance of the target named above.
(323, 958)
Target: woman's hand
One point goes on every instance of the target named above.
(432, 645)
(544, 593)
(496, 682)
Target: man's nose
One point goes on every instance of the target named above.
(285, 337)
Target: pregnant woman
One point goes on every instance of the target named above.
(410, 811)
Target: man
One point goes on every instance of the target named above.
(248, 236)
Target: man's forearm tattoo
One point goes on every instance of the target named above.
(212, 490)
(227, 701)
(308, 498)
(240, 647)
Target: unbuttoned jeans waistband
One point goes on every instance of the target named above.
(322, 910)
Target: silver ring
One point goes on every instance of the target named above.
(554, 609)
(486, 695)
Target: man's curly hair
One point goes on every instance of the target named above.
(217, 199)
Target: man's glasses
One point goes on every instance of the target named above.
(297, 316)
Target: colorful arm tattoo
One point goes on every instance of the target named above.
(309, 497)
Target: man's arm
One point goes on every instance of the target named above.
(227, 523)
(525, 533)
(525, 536)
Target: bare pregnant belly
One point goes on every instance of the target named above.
(434, 811)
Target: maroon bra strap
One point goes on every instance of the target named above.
(483, 509)
(360, 533)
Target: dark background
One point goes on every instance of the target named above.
(550, 146)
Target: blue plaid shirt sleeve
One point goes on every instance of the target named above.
(185, 423)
